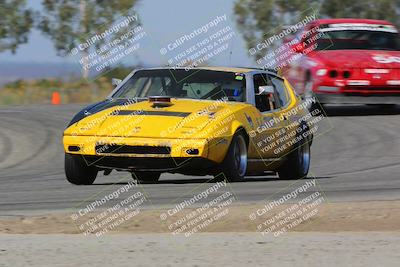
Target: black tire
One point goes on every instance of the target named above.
(146, 177)
(234, 165)
(78, 172)
(297, 163)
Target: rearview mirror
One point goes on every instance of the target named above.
(265, 90)
(115, 81)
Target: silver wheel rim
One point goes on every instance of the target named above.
(240, 155)
(305, 157)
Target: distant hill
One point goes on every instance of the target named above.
(14, 71)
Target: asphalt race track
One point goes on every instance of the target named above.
(358, 160)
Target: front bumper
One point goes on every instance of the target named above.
(333, 93)
(184, 165)
(134, 152)
(356, 99)
(102, 146)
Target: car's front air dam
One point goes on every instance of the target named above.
(135, 147)
(357, 99)
(184, 165)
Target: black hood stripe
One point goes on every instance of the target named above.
(100, 106)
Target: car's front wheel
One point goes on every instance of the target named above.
(297, 162)
(78, 171)
(234, 165)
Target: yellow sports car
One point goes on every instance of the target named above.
(226, 122)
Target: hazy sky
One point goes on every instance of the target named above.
(163, 21)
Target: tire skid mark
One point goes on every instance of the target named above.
(382, 137)
(390, 165)
(36, 152)
(338, 144)
(394, 134)
(6, 148)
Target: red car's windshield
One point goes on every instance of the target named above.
(358, 39)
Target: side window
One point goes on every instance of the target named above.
(280, 91)
(263, 102)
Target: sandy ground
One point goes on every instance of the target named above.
(338, 234)
(207, 249)
(330, 217)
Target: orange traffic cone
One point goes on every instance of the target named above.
(55, 98)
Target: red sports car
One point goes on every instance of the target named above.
(347, 61)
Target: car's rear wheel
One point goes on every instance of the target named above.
(234, 165)
(78, 171)
(146, 177)
(297, 163)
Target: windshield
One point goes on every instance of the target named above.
(197, 84)
(358, 39)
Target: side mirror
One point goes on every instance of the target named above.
(115, 81)
(265, 90)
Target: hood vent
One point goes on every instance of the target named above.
(160, 101)
(151, 113)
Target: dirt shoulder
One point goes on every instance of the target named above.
(329, 217)
(308, 249)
